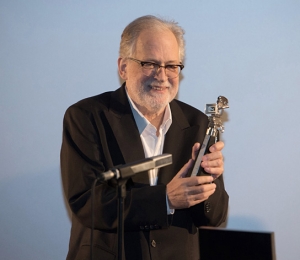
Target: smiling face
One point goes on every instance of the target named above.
(151, 94)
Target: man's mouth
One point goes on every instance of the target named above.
(159, 88)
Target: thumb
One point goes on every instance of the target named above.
(195, 150)
(185, 169)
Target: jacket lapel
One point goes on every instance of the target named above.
(179, 141)
(125, 130)
(123, 125)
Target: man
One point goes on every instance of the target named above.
(141, 119)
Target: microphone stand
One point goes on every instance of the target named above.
(121, 200)
(123, 174)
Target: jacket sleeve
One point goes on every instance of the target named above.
(213, 211)
(84, 155)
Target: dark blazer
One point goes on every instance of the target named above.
(100, 132)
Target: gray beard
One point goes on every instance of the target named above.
(153, 103)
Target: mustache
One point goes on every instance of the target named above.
(160, 85)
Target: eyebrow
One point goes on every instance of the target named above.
(167, 62)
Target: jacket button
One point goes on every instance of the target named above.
(207, 207)
(153, 243)
(156, 226)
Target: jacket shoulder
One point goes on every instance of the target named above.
(191, 113)
(100, 101)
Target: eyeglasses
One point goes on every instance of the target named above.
(150, 68)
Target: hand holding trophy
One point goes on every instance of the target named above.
(215, 126)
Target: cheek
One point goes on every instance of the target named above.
(136, 75)
(174, 89)
(133, 78)
(174, 83)
(142, 80)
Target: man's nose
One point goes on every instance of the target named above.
(160, 74)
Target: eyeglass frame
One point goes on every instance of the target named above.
(157, 66)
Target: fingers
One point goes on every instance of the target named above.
(218, 146)
(214, 167)
(215, 151)
(195, 150)
(198, 180)
(198, 197)
(185, 195)
(184, 170)
(202, 189)
(213, 162)
(187, 192)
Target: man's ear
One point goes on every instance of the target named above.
(122, 68)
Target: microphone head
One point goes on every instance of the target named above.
(130, 169)
(162, 160)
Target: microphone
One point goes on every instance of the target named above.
(130, 169)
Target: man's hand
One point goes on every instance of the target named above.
(213, 162)
(187, 192)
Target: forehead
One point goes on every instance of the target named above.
(157, 44)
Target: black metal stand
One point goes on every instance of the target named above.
(208, 141)
(121, 200)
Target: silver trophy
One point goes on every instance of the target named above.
(215, 126)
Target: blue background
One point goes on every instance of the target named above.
(54, 53)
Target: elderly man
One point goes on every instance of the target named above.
(141, 119)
